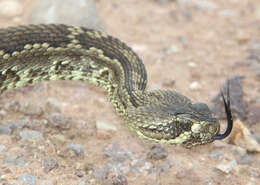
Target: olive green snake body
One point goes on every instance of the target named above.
(34, 53)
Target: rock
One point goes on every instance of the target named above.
(58, 139)
(116, 153)
(28, 179)
(14, 159)
(59, 121)
(2, 148)
(236, 99)
(242, 137)
(5, 129)
(11, 8)
(82, 13)
(157, 153)
(31, 109)
(49, 164)
(105, 130)
(31, 135)
(76, 148)
(79, 174)
(227, 167)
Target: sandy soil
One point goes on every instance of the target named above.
(180, 45)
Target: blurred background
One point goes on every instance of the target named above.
(68, 133)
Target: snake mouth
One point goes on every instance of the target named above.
(228, 115)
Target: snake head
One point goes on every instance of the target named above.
(182, 122)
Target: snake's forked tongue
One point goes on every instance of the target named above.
(228, 115)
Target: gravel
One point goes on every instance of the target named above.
(28, 179)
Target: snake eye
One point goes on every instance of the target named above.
(229, 117)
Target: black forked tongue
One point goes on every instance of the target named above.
(229, 116)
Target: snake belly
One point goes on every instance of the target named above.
(35, 53)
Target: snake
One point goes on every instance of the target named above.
(33, 53)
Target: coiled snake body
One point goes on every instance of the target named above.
(30, 54)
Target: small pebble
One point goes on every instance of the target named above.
(14, 159)
(49, 164)
(105, 126)
(31, 135)
(58, 139)
(242, 37)
(241, 136)
(5, 130)
(157, 153)
(76, 148)
(192, 64)
(105, 130)
(119, 180)
(28, 179)
(116, 153)
(79, 174)
(194, 85)
(59, 121)
(20, 124)
(172, 49)
(31, 109)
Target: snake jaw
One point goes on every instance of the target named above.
(228, 115)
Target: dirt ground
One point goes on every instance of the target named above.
(189, 47)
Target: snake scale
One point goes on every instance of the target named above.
(34, 53)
